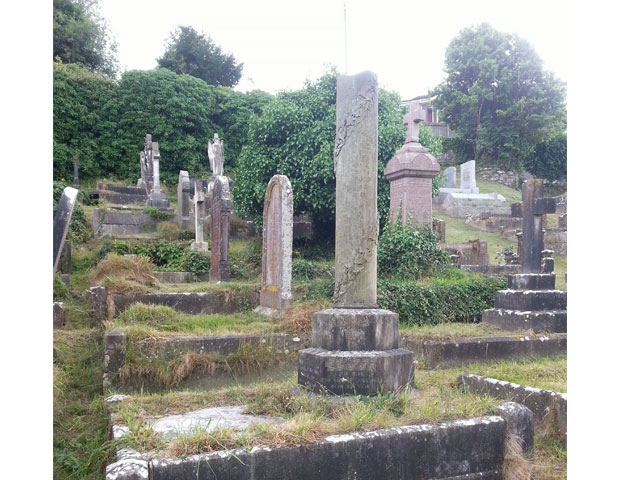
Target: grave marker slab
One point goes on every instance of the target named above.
(450, 180)
(221, 207)
(368, 360)
(184, 202)
(61, 222)
(468, 177)
(277, 245)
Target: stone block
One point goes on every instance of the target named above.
(531, 281)
(355, 372)
(58, 315)
(115, 348)
(554, 321)
(519, 423)
(533, 300)
(355, 329)
(128, 469)
(122, 198)
(121, 189)
(191, 303)
(99, 304)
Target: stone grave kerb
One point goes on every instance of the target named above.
(532, 208)
(355, 344)
(410, 172)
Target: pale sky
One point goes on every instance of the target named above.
(284, 42)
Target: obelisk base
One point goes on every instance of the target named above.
(355, 352)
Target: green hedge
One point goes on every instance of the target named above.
(103, 122)
(422, 304)
(458, 297)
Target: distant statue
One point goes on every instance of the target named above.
(216, 155)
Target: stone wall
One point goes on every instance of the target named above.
(512, 179)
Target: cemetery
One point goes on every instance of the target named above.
(329, 296)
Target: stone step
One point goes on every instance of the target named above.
(554, 321)
(532, 281)
(533, 300)
(121, 189)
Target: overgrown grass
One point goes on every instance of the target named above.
(453, 330)
(511, 195)
(124, 274)
(80, 445)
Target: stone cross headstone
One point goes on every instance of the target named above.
(277, 245)
(199, 244)
(221, 207)
(157, 198)
(216, 155)
(61, 222)
(412, 121)
(76, 180)
(532, 209)
(354, 343)
(184, 210)
(148, 155)
(468, 176)
(450, 180)
(410, 172)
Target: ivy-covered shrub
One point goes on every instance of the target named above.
(424, 304)
(79, 228)
(549, 160)
(409, 253)
(295, 136)
(197, 262)
(305, 270)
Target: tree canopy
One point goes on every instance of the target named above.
(497, 97)
(195, 54)
(81, 36)
(295, 136)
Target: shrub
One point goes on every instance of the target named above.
(169, 230)
(295, 136)
(423, 304)
(60, 290)
(305, 270)
(410, 253)
(197, 262)
(549, 160)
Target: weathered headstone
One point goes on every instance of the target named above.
(61, 222)
(58, 315)
(531, 300)
(277, 245)
(450, 180)
(468, 177)
(184, 210)
(216, 155)
(531, 209)
(76, 180)
(355, 344)
(199, 244)
(157, 198)
(410, 172)
(221, 207)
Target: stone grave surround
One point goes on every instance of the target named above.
(354, 343)
(61, 222)
(221, 207)
(531, 300)
(277, 246)
(410, 172)
(474, 252)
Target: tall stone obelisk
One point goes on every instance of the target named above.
(354, 343)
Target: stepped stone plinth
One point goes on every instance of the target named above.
(531, 301)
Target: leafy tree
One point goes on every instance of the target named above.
(195, 54)
(497, 97)
(295, 136)
(81, 35)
